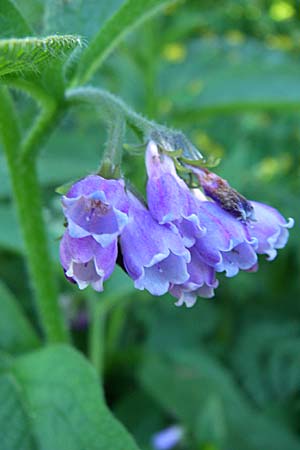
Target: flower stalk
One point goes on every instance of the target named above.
(28, 203)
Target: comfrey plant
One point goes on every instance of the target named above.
(176, 242)
(176, 237)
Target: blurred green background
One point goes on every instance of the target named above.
(228, 370)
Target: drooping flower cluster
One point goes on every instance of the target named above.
(177, 243)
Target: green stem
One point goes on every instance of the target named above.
(115, 325)
(109, 106)
(112, 158)
(29, 208)
(98, 313)
(100, 307)
(44, 124)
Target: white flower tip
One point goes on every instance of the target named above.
(187, 298)
(272, 253)
(290, 223)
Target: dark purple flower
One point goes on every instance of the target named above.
(96, 207)
(269, 229)
(223, 194)
(153, 254)
(87, 262)
(201, 282)
(169, 198)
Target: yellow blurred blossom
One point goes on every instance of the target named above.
(174, 52)
(270, 167)
(282, 10)
(280, 41)
(235, 37)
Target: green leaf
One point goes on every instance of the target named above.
(30, 54)
(13, 417)
(266, 359)
(198, 390)
(84, 17)
(51, 399)
(131, 14)
(12, 23)
(16, 332)
(33, 13)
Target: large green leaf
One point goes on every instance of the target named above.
(218, 77)
(33, 13)
(51, 399)
(30, 54)
(16, 333)
(12, 23)
(84, 17)
(16, 433)
(131, 14)
(197, 390)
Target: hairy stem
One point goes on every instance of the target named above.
(29, 209)
(29, 206)
(109, 106)
(112, 158)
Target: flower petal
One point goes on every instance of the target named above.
(270, 229)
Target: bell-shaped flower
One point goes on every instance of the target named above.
(153, 254)
(201, 282)
(269, 229)
(226, 245)
(169, 198)
(86, 262)
(96, 207)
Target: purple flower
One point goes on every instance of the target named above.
(265, 227)
(269, 229)
(168, 438)
(169, 198)
(96, 207)
(179, 244)
(153, 254)
(201, 282)
(219, 237)
(86, 262)
(225, 246)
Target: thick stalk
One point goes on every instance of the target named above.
(29, 209)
